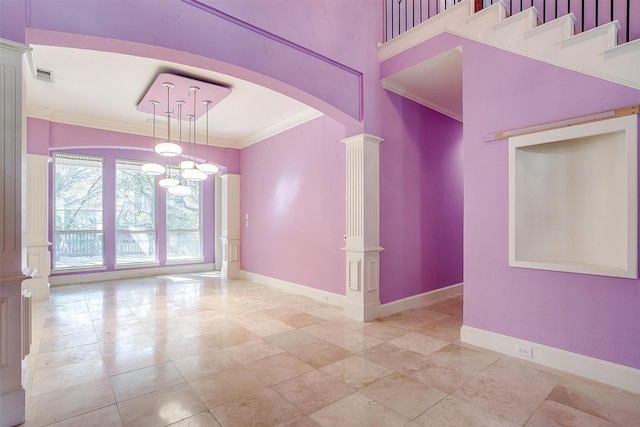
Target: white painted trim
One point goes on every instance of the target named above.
(282, 126)
(581, 69)
(531, 14)
(455, 25)
(609, 30)
(628, 47)
(501, 11)
(565, 22)
(15, 46)
(305, 116)
(12, 407)
(596, 369)
(402, 91)
(296, 288)
(420, 300)
(73, 279)
(38, 112)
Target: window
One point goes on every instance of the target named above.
(184, 237)
(78, 227)
(135, 217)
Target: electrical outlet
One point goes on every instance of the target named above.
(523, 351)
(325, 298)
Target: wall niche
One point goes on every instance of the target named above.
(573, 199)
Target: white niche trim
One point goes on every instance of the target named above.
(573, 199)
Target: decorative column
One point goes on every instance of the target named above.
(363, 227)
(38, 256)
(230, 229)
(217, 265)
(12, 395)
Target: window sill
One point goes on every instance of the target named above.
(184, 261)
(130, 265)
(78, 269)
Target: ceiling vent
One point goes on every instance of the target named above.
(44, 75)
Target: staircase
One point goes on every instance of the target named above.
(594, 52)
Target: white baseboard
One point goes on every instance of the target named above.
(596, 369)
(420, 300)
(74, 279)
(295, 288)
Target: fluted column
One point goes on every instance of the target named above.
(230, 232)
(12, 395)
(38, 256)
(363, 227)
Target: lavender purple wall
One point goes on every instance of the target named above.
(13, 20)
(591, 315)
(239, 49)
(44, 137)
(292, 186)
(420, 200)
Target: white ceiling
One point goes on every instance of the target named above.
(435, 83)
(102, 89)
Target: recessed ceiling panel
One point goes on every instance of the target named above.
(183, 89)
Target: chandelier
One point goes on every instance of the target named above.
(188, 166)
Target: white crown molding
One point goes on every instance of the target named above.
(38, 112)
(296, 288)
(15, 46)
(282, 126)
(402, 91)
(596, 369)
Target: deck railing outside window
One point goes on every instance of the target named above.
(402, 15)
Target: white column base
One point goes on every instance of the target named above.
(230, 258)
(361, 312)
(363, 290)
(12, 404)
(38, 261)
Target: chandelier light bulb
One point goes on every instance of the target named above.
(168, 182)
(208, 168)
(194, 174)
(168, 149)
(179, 190)
(187, 164)
(153, 169)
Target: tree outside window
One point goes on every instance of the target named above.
(78, 226)
(135, 217)
(184, 241)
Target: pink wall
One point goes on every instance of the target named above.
(591, 315)
(421, 200)
(292, 186)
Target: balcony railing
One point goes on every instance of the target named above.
(78, 249)
(402, 15)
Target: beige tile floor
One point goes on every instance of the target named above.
(194, 350)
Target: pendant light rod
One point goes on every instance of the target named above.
(207, 103)
(169, 86)
(168, 148)
(195, 90)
